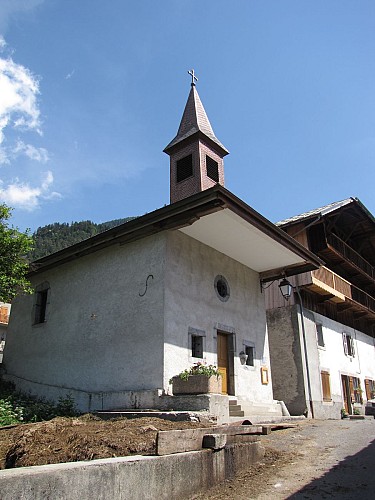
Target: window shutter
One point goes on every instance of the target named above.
(352, 346)
(367, 389)
(351, 389)
(326, 386)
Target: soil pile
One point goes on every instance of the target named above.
(83, 438)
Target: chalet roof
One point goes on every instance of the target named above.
(353, 221)
(195, 121)
(216, 218)
(331, 207)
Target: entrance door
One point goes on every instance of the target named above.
(222, 360)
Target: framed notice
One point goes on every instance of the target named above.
(264, 375)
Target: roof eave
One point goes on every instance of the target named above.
(179, 214)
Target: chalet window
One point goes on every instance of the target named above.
(370, 388)
(319, 334)
(197, 346)
(40, 304)
(212, 169)
(250, 351)
(184, 168)
(326, 386)
(348, 343)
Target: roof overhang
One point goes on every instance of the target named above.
(216, 218)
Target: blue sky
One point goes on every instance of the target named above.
(92, 91)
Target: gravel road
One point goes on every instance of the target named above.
(315, 459)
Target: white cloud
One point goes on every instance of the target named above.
(19, 108)
(36, 154)
(8, 9)
(19, 112)
(21, 195)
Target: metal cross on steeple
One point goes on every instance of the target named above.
(193, 77)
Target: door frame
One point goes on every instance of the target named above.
(230, 358)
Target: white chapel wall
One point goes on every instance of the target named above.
(191, 303)
(100, 334)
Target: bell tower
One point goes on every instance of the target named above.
(196, 155)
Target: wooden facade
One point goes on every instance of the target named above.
(344, 288)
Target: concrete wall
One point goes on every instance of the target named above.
(100, 336)
(192, 305)
(172, 476)
(288, 360)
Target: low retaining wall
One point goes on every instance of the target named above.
(139, 477)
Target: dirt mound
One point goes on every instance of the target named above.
(83, 438)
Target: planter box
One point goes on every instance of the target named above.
(197, 384)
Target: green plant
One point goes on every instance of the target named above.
(16, 407)
(344, 413)
(9, 414)
(356, 411)
(197, 369)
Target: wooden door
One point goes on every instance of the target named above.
(222, 360)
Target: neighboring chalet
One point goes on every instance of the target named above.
(116, 316)
(338, 324)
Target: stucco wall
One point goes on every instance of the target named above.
(288, 364)
(191, 302)
(333, 359)
(100, 335)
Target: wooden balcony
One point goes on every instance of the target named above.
(334, 288)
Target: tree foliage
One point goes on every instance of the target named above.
(14, 247)
(54, 237)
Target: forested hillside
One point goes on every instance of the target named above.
(53, 237)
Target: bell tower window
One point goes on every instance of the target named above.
(184, 168)
(212, 168)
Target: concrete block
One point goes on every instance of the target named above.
(214, 441)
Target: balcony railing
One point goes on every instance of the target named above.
(344, 287)
(333, 280)
(351, 255)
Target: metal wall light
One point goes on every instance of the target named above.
(285, 288)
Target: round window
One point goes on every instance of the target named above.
(222, 288)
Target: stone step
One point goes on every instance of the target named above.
(234, 408)
(233, 402)
(237, 413)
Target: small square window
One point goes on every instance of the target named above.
(249, 351)
(319, 335)
(40, 306)
(197, 346)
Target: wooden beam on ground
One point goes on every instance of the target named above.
(179, 441)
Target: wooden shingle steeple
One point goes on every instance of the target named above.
(196, 155)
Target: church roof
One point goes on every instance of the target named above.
(195, 121)
(216, 218)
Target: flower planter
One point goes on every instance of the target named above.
(197, 384)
